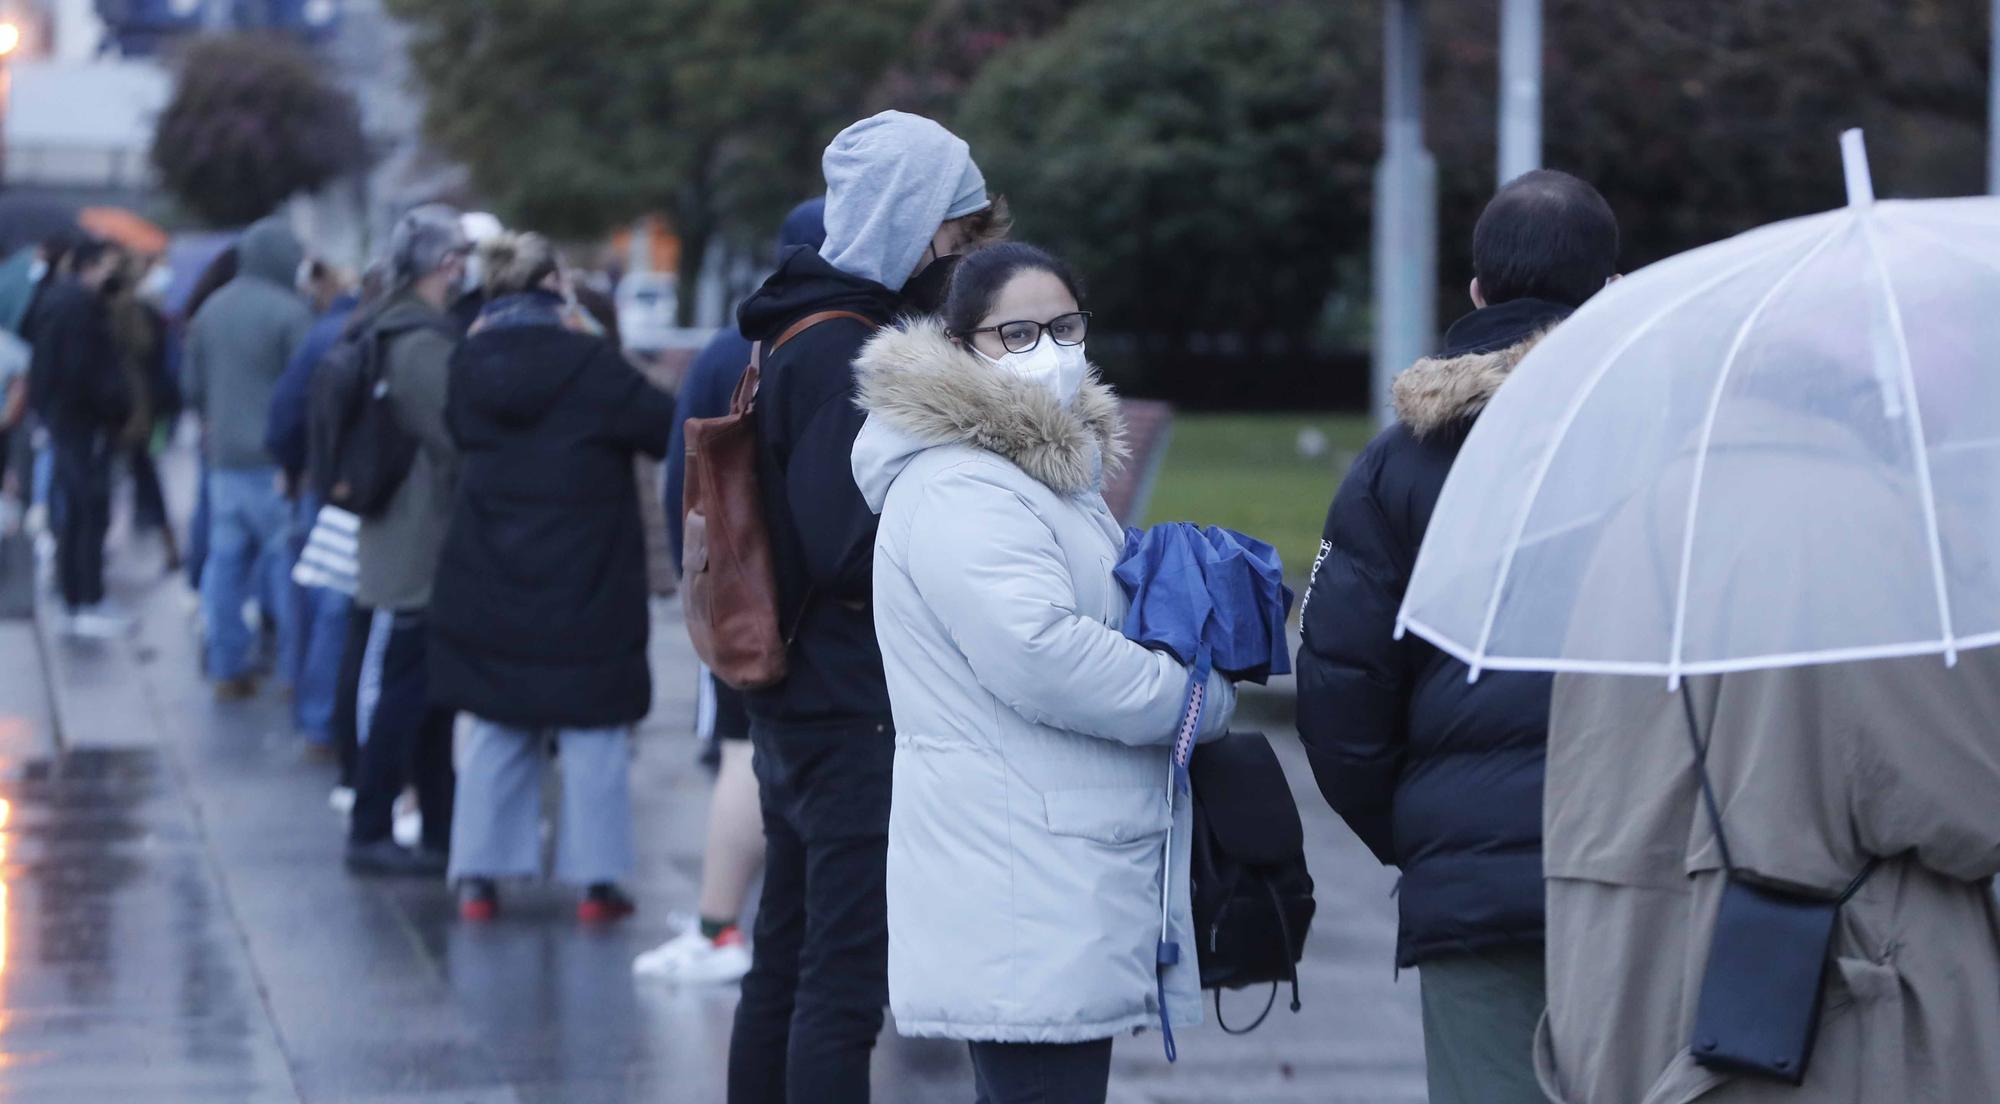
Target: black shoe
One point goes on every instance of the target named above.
(604, 903)
(389, 859)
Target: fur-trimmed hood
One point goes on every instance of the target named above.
(1481, 351)
(1440, 390)
(923, 391)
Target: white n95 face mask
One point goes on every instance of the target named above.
(1058, 369)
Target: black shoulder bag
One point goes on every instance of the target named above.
(1761, 992)
(1252, 896)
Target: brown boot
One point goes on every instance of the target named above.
(239, 689)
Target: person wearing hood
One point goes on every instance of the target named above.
(405, 737)
(77, 386)
(902, 192)
(713, 950)
(539, 621)
(238, 344)
(1033, 738)
(1440, 775)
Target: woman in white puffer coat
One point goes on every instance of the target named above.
(1032, 738)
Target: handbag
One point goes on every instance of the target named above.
(1252, 894)
(1762, 990)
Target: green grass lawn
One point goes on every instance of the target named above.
(1245, 472)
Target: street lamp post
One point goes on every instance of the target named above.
(1405, 208)
(1993, 108)
(1521, 88)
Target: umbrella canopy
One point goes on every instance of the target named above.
(1781, 449)
(124, 228)
(1213, 598)
(29, 220)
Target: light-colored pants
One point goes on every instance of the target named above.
(1480, 1012)
(496, 826)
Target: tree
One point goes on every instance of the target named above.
(1204, 163)
(1704, 118)
(574, 118)
(252, 122)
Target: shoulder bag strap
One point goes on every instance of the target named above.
(745, 399)
(1715, 807)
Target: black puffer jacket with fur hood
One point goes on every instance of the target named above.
(1437, 775)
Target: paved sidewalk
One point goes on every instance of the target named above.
(177, 925)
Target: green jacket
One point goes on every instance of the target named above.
(399, 548)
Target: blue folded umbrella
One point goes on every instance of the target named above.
(1217, 601)
(1214, 599)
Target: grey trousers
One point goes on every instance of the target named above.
(1480, 1012)
(496, 827)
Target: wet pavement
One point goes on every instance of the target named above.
(175, 924)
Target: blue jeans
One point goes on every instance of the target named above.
(246, 550)
(318, 638)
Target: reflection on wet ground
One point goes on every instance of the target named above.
(120, 971)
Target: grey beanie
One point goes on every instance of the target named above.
(891, 180)
(424, 239)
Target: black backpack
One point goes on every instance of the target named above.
(1252, 896)
(357, 449)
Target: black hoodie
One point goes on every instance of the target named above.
(539, 617)
(822, 531)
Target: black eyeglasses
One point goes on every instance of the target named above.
(1019, 337)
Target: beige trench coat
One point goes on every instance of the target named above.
(1818, 770)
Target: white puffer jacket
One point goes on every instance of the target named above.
(1030, 809)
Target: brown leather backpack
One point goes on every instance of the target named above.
(729, 590)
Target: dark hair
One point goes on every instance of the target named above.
(1546, 235)
(979, 277)
(87, 252)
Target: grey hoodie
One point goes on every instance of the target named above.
(891, 180)
(241, 340)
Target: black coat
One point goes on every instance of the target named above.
(1437, 775)
(540, 614)
(75, 381)
(822, 531)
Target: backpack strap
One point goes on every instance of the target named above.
(746, 391)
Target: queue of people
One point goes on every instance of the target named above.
(954, 793)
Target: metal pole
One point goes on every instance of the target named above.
(1993, 109)
(1521, 88)
(1405, 208)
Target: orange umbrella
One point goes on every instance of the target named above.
(122, 227)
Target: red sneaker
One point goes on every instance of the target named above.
(478, 901)
(604, 903)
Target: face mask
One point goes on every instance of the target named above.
(1058, 369)
(37, 269)
(925, 291)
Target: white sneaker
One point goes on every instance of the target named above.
(341, 800)
(692, 959)
(99, 622)
(409, 829)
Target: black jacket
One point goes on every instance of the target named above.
(539, 617)
(822, 531)
(75, 381)
(1437, 775)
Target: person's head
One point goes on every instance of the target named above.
(427, 253)
(902, 191)
(322, 283)
(1546, 235)
(53, 253)
(512, 263)
(804, 225)
(480, 227)
(1018, 308)
(94, 263)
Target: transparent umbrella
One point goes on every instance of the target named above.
(1780, 449)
